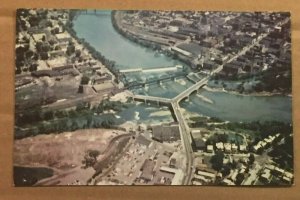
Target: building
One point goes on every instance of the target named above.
(234, 148)
(243, 148)
(287, 177)
(266, 175)
(181, 51)
(233, 68)
(63, 37)
(147, 170)
(227, 181)
(143, 141)
(198, 142)
(227, 147)
(178, 174)
(210, 148)
(220, 146)
(102, 78)
(104, 87)
(165, 133)
(207, 175)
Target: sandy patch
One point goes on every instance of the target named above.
(160, 113)
(63, 152)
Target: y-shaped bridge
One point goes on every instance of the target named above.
(184, 128)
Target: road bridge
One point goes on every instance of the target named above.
(146, 99)
(191, 89)
(93, 12)
(151, 70)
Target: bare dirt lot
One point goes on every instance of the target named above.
(63, 153)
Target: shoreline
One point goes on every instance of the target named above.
(255, 94)
(139, 39)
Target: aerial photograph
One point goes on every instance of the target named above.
(152, 97)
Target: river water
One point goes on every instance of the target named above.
(99, 32)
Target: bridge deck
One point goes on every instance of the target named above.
(151, 98)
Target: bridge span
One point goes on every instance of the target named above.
(151, 70)
(191, 89)
(146, 98)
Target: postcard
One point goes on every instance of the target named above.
(153, 97)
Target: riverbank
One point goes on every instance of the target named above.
(103, 61)
(255, 94)
(144, 39)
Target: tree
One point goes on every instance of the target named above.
(55, 31)
(78, 53)
(239, 179)
(225, 171)
(70, 49)
(217, 160)
(44, 55)
(18, 70)
(33, 20)
(251, 159)
(84, 80)
(48, 115)
(29, 54)
(33, 67)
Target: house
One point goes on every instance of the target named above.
(243, 148)
(266, 175)
(287, 177)
(234, 148)
(220, 146)
(207, 175)
(210, 148)
(227, 147)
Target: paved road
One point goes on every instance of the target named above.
(186, 140)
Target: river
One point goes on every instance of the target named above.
(99, 32)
